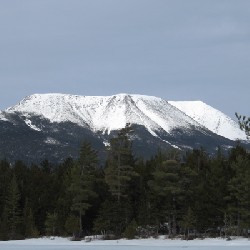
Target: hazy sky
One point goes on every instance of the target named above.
(174, 49)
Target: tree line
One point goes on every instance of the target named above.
(192, 194)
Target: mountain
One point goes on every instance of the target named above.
(211, 118)
(53, 126)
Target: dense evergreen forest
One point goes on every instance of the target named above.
(195, 194)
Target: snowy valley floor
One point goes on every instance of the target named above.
(159, 244)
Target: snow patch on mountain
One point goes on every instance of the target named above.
(32, 126)
(211, 118)
(174, 146)
(50, 140)
(2, 117)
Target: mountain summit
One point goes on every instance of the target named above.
(61, 121)
(107, 113)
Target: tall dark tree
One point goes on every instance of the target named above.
(82, 181)
(5, 178)
(51, 223)
(166, 193)
(239, 194)
(88, 157)
(120, 170)
(12, 207)
(119, 177)
(29, 227)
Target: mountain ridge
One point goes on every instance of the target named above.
(54, 125)
(96, 112)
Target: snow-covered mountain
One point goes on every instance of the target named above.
(107, 113)
(211, 118)
(53, 125)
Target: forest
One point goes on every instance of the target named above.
(191, 194)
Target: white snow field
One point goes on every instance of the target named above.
(107, 113)
(158, 244)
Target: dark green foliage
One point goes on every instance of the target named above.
(192, 194)
(239, 194)
(12, 207)
(166, 185)
(4, 226)
(72, 225)
(188, 222)
(51, 223)
(82, 178)
(119, 170)
(30, 230)
(130, 231)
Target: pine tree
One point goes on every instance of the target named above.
(130, 231)
(51, 223)
(188, 222)
(5, 178)
(30, 230)
(13, 209)
(71, 225)
(119, 176)
(166, 193)
(4, 226)
(239, 194)
(88, 158)
(82, 181)
(119, 170)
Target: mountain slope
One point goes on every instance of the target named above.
(53, 126)
(106, 113)
(212, 119)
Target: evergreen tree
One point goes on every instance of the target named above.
(119, 176)
(113, 217)
(4, 225)
(13, 208)
(82, 181)
(88, 158)
(5, 178)
(119, 170)
(51, 223)
(239, 194)
(130, 231)
(167, 193)
(30, 230)
(72, 225)
(188, 222)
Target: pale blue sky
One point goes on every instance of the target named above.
(174, 49)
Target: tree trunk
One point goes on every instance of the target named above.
(80, 222)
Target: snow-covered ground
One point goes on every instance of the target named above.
(159, 244)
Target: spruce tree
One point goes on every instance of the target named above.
(30, 230)
(51, 223)
(82, 181)
(239, 194)
(188, 222)
(166, 193)
(4, 225)
(119, 170)
(13, 208)
(72, 225)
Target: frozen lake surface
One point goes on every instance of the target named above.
(158, 244)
